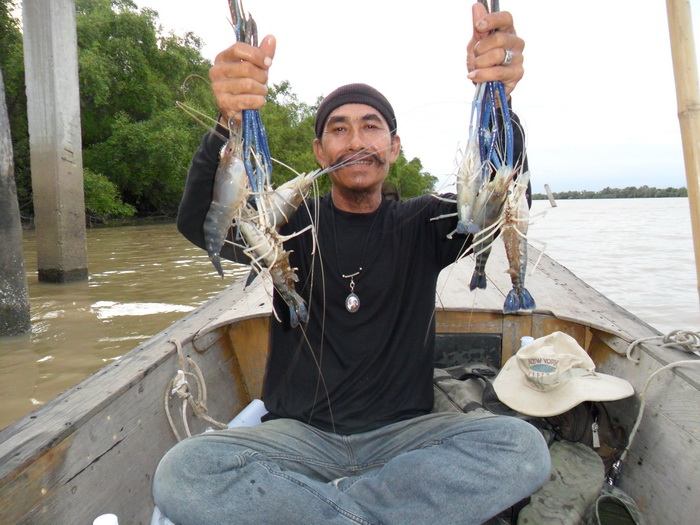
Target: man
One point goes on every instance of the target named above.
(349, 438)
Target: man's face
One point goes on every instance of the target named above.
(357, 137)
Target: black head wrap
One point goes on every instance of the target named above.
(354, 94)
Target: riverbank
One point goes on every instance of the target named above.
(28, 222)
(644, 192)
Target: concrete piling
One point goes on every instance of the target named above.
(53, 107)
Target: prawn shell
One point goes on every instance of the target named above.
(216, 225)
(265, 247)
(229, 195)
(515, 241)
(283, 202)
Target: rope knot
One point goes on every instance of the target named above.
(181, 387)
(685, 339)
(689, 341)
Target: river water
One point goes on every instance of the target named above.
(638, 252)
(141, 280)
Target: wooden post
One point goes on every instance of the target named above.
(550, 196)
(14, 296)
(53, 111)
(686, 75)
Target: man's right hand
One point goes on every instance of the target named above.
(239, 77)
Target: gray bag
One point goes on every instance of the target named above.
(468, 388)
(577, 475)
(614, 507)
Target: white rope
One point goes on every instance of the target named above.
(685, 339)
(642, 397)
(179, 386)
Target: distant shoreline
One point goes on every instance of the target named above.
(643, 192)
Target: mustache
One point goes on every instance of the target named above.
(349, 158)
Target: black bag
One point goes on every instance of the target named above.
(590, 423)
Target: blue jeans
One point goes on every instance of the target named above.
(434, 469)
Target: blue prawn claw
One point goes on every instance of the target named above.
(259, 222)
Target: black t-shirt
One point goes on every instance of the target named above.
(351, 372)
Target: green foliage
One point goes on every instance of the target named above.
(148, 159)
(102, 200)
(629, 192)
(128, 67)
(409, 177)
(12, 65)
(131, 78)
(289, 124)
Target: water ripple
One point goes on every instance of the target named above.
(141, 279)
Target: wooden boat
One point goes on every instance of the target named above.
(94, 449)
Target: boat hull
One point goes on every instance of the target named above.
(94, 449)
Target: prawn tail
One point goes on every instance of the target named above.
(216, 261)
(251, 277)
(479, 275)
(473, 227)
(298, 313)
(467, 227)
(518, 299)
(478, 280)
(215, 229)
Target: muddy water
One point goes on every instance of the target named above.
(637, 252)
(141, 280)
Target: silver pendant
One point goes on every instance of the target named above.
(352, 303)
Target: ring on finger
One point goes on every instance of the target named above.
(508, 58)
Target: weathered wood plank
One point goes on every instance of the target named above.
(661, 469)
(57, 418)
(250, 340)
(559, 292)
(669, 391)
(254, 302)
(472, 322)
(514, 328)
(117, 449)
(110, 431)
(453, 290)
(671, 426)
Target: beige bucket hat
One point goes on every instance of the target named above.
(553, 374)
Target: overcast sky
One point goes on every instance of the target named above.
(598, 97)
